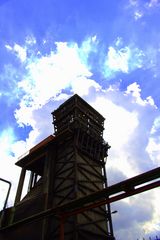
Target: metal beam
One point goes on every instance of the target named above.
(115, 198)
(20, 186)
(128, 188)
(6, 200)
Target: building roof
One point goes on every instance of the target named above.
(77, 98)
(33, 157)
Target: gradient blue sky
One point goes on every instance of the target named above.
(106, 51)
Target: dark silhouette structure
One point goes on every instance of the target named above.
(62, 168)
(68, 197)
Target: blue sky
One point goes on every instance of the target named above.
(106, 51)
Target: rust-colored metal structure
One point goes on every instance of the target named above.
(62, 169)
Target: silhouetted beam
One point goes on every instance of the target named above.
(129, 187)
(8, 192)
(113, 193)
(111, 199)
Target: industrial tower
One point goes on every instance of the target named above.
(65, 166)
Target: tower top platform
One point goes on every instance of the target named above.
(77, 113)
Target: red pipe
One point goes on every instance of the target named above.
(62, 220)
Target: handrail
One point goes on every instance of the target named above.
(6, 200)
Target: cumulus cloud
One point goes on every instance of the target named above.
(127, 127)
(125, 59)
(153, 147)
(48, 75)
(139, 9)
(122, 59)
(135, 91)
(42, 77)
(133, 216)
(118, 60)
(18, 50)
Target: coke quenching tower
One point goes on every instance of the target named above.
(65, 166)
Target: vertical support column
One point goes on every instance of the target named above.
(76, 140)
(108, 205)
(45, 188)
(20, 186)
(48, 176)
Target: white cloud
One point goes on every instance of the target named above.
(139, 9)
(133, 216)
(20, 51)
(8, 47)
(118, 42)
(134, 90)
(156, 125)
(88, 46)
(153, 3)
(122, 59)
(120, 128)
(138, 14)
(134, 2)
(125, 127)
(136, 9)
(153, 147)
(118, 131)
(48, 75)
(6, 140)
(78, 86)
(30, 40)
(118, 60)
(151, 60)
